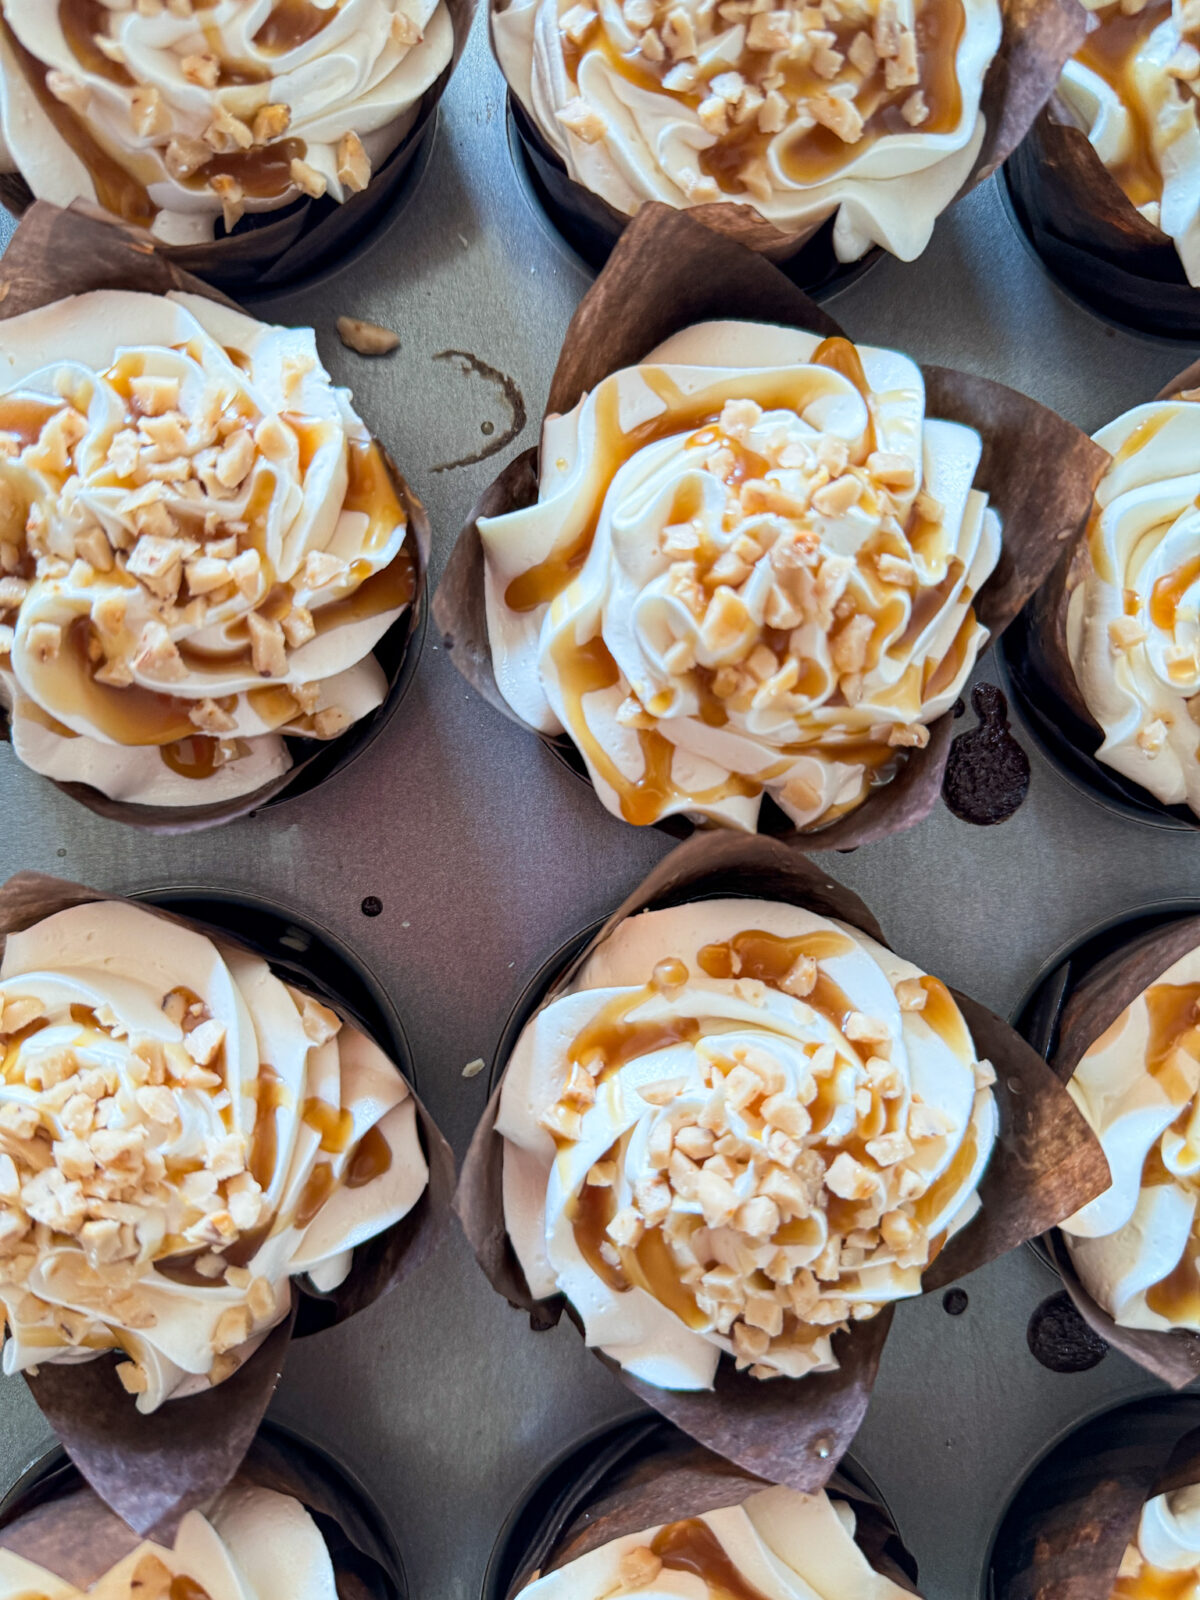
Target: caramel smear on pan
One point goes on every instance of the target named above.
(815, 85)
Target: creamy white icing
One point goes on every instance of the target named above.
(277, 98)
(181, 1133)
(1167, 1546)
(707, 1163)
(684, 103)
(1134, 1246)
(1132, 88)
(743, 575)
(782, 1545)
(200, 547)
(1133, 620)
(249, 1544)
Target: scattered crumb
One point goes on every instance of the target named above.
(473, 1068)
(367, 338)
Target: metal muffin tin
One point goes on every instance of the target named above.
(480, 854)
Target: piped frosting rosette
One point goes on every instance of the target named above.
(1133, 87)
(867, 112)
(776, 1545)
(1135, 1247)
(741, 1128)
(200, 548)
(175, 117)
(1133, 620)
(750, 570)
(251, 1543)
(181, 1134)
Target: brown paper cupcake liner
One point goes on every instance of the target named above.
(1038, 39)
(277, 250)
(1088, 992)
(53, 1519)
(669, 272)
(153, 1469)
(640, 1474)
(1035, 654)
(1045, 1165)
(57, 253)
(1090, 235)
(1075, 1514)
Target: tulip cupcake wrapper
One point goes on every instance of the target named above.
(668, 273)
(1076, 1513)
(151, 1469)
(1082, 995)
(55, 254)
(1039, 36)
(53, 1519)
(1091, 237)
(641, 1473)
(795, 1431)
(590, 227)
(281, 250)
(1037, 665)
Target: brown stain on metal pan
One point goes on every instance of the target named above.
(513, 397)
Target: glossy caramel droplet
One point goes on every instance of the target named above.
(293, 23)
(314, 1194)
(334, 1124)
(694, 1548)
(371, 1158)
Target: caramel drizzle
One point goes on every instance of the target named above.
(1110, 51)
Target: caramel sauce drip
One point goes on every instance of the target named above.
(769, 958)
(694, 1548)
(370, 1159)
(185, 1588)
(197, 756)
(181, 1268)
(1154, 1583)
(1174, 1020)
(270, 1094)
(291, 24)
(840, 356)
(316, 1191)
(1110, 52)
(129, 716)
(334, 1124)
(264, 172)
(25, 417)
(1169, 590)
(939, 1194)
(81, 21)
(589, 1213)
(1146, 430)
(117, 190)
(12, 1045)
(617, 1041)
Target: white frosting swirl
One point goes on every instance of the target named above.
(249, 1544)
(708, 1162)
(782, 1545)
(141, 109)
(1133, 621)
(1167, 1545)
(181, 1133)
(1131, 86)
(1134, 1246)
(746, 572)
(874, 115)
(200, 547)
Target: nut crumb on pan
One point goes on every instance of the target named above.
(474, 1068)
(366, 338)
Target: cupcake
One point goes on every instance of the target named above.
(1110, 1513)
(737, 1131)
(207, 121)
(1128, 1049)
(189, 1146)
(1108, 656)
(816, 134)
(291, 1522)
(1108, 180)
(754, 564)
(206, 559)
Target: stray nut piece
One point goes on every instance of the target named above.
(366, 338)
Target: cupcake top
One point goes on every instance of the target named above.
(200, 547)
(867, 109)
(741, 1129)
(176, 116)
(1164, 1559)
(181, 1133)
(750, 570)
(777, 1545)
(1133, 85)
(1133, 621)
(1133, 1246)
(251, 1544)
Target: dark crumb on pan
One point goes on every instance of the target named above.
(987, 775)
(1061, 1340)
(372, 906)
(954, 1302)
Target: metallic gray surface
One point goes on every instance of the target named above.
(486, 853)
